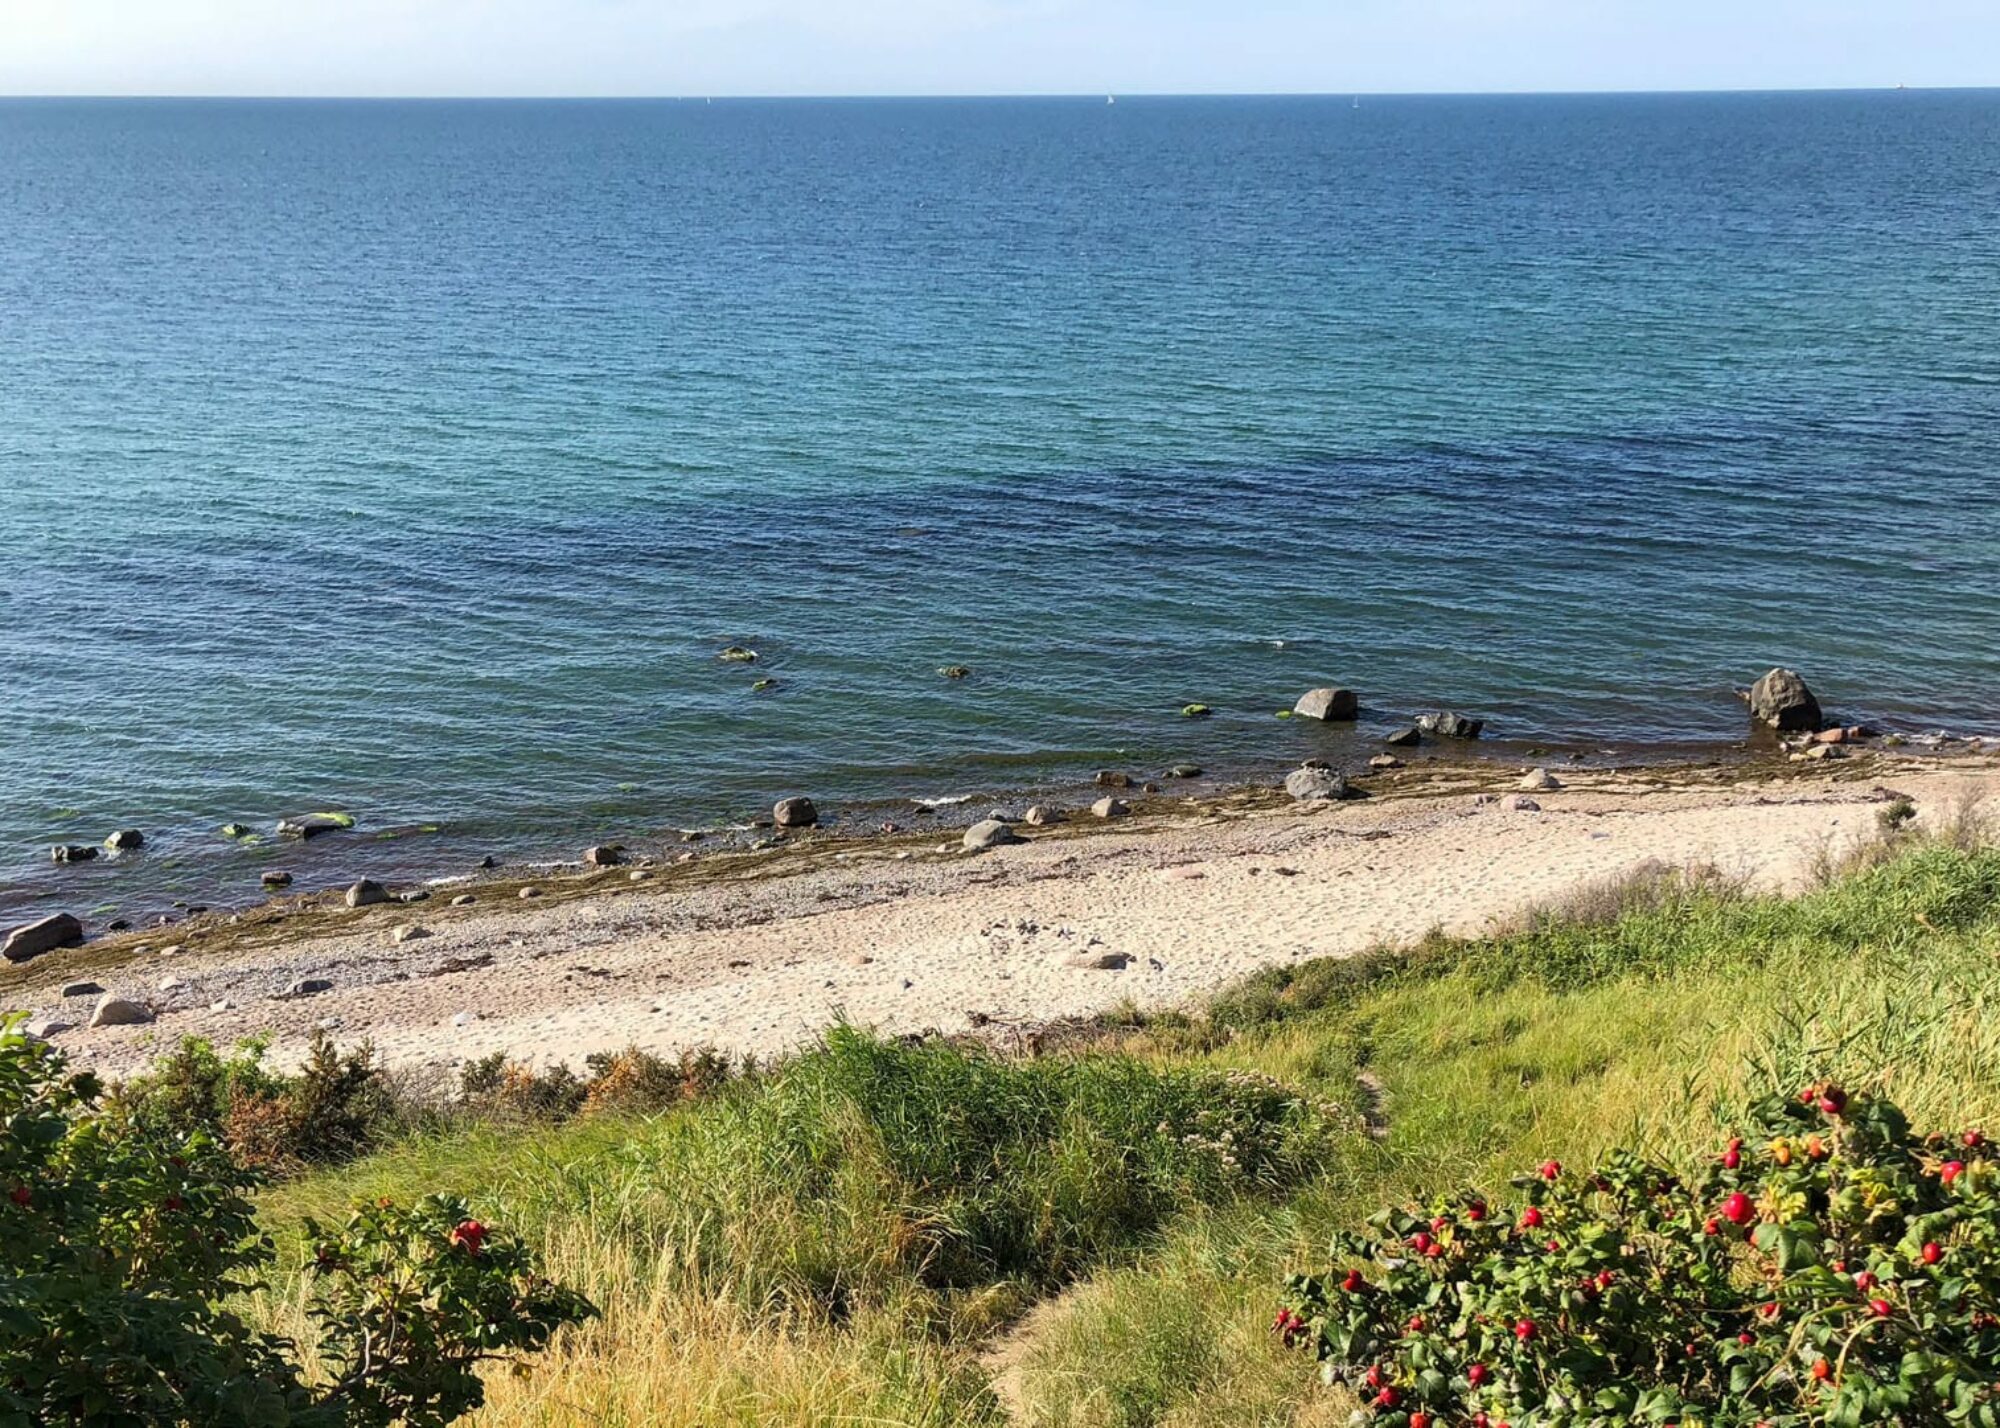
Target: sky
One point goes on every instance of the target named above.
(836, 47)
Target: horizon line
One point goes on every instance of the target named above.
(913, 96)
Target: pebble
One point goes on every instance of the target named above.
(1538, 781)
(171, 984)
(638, 875)
(464, 900)
(413, 895)
(1520, 803)
(1385, 761)
(465, 1018)
(527, 893)
(222, 1004)
(41, 1028)
(408, 932)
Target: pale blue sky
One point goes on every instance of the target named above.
(675, 47)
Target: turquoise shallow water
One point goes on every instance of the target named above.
(416, 459)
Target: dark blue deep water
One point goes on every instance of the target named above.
(417, 458)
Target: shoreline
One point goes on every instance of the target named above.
(223, 875)
(756, 951)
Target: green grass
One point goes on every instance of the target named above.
(838, 1241)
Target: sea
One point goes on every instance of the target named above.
(417, 460)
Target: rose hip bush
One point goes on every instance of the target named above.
(122, 1250)
(1827, 1267)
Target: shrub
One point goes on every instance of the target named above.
(337, 1106)
(123, 1243)
(1827, 1267)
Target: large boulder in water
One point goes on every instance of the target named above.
(795, 813)
(1782, 700)
(310, 825)
(1328, 704)
(33, 940)
(1446, 724)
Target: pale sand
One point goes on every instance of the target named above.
(1195, 894)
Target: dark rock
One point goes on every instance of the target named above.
(82, 989)
(604, 855)
(414, 895)
(1111, 778)
(41, 1028)
(32, 940)
(1404, 738)
(313, 825)
(989, 833)
(794, 813)
(1780, 698)
(489, 862)
(125, 839)
(72, 853)
(955, 671)
(1385, 761)
(118, 1011)
(1184, 771)
(1310, 784)
(1446, 724)
(306, 987)
(1099, 961)
(367, 893)
(1329, 705)
(275, 879)
(118, 924)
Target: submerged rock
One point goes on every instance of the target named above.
(738, 654)
(1195, 711)
(236, 830)
(275, 879)
(795, 813)
(312, 825)
(1313, 783)
(1781, 699)
(125, 839)
(1449, 724)
(989, 833)
(1184, 771)
(955, 671)
(35, 938)
(72, 853)
(1330, 704)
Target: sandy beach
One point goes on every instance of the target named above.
(757, 952)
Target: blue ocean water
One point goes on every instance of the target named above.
(416, 459)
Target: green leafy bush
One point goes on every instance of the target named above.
(123, 1244)
(1828, 1267)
